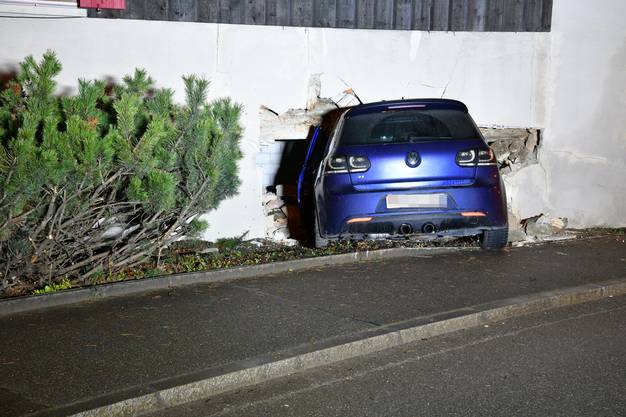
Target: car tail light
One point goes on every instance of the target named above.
(473, 157)
(344, 164)
(486, 157)
(358, 163)
(466, 158)
(337, 164)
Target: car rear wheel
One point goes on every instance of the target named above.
(495, 239)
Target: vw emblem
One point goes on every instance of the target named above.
(413, 159)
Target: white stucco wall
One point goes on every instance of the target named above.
(508, 79)
(582, 160)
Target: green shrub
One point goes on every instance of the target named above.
(102, 180)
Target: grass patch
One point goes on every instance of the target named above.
(196, 255)
(65, 284)
(234, 253)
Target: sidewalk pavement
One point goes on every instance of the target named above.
(66, 359)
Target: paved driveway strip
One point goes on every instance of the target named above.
(114, 348)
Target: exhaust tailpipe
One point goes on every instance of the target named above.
(429, 228)
(405, 229)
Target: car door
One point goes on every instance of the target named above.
(311, 160)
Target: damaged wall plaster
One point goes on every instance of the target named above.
(297, 123)
(292, 124)
(514, 148)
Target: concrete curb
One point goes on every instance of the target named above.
(178, 391)
(123, 288)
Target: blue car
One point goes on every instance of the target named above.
(397, 168)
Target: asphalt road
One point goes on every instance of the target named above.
(565, 362)
(95, 353)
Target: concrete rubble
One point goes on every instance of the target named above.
(276, 218)
(514, 148)
(542, 226)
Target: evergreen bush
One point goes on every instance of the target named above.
(100, 181)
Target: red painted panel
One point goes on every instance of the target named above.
(102, 4)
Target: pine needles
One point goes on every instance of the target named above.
(103, 180)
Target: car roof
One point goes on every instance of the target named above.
(407, 104)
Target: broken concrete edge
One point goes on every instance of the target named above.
(389, 336)
(123, 288)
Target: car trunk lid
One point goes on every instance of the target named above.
(424, 164)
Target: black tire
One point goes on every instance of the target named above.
(320, 242)
(495, 239)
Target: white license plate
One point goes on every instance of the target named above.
(417, 201)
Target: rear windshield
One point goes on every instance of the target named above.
(407, 126)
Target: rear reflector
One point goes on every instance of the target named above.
(359, 220)
(473, 214)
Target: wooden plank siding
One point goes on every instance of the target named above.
(430, 15)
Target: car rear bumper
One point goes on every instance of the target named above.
(440, 224)
(338, 211)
